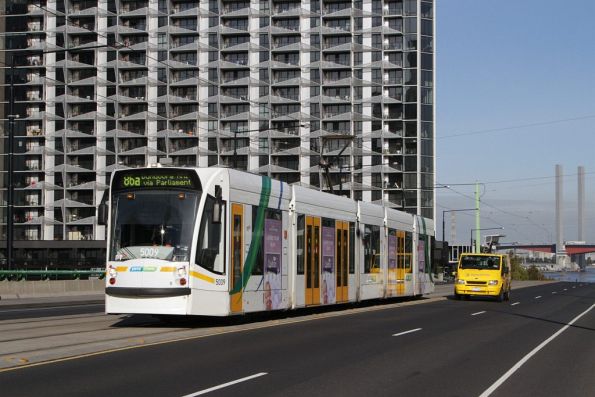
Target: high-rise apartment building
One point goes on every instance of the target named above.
(275, 87)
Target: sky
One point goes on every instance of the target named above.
(515, 95)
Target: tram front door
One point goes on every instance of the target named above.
(237, 257)
(312, 265)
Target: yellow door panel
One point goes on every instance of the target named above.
(237, 253)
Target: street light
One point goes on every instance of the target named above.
(476, 250)
(445, 211)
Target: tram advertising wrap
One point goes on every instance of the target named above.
(218, 242)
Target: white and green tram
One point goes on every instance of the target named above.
(219, 242)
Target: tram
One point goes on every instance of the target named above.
(221, 242)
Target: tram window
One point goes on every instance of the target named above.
(272, 222)
(371, 243)
(301, 221)
(351, 248)
(209, 240)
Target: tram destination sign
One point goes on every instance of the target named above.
(156, 179)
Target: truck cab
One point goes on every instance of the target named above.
(483, 275)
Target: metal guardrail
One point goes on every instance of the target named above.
(17, 275)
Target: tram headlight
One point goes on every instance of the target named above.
(493, 282)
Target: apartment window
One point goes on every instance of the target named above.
(263, 74)
(213, 40)
(162, 40)
(264, 111)
(426, 10)
(264, 40)
(427, 44)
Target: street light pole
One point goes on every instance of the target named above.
(478, 231)
(445, 211)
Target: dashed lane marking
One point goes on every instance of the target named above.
(515, 303)
(538, 297)
(475, 314)
(407, 332)
(224, 385)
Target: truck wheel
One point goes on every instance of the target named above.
(507, 295)
(501, 295)
(458, 296)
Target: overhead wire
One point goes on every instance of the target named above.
(514, 127)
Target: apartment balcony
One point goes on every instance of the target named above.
(35, 26)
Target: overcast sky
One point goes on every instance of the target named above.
(515, 96)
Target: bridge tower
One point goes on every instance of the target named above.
(560, 251)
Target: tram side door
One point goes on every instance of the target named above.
(312, 265)
(342, 233)
(400, 263)
(237, 255)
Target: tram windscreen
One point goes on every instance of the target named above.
(156, 224)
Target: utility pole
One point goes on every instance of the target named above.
(477, 222)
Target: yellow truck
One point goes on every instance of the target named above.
(483, 275)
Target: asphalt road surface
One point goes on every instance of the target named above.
(541, 342)
(13, 313)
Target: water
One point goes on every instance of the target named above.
(588, 276)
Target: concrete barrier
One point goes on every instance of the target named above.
(32, 289)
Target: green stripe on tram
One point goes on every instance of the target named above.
(257, 232)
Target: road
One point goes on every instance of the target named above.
(540, 343)
(14, 313)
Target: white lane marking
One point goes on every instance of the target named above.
(565, 289)
(233, 382)
(519, 364)
(574, 287)
(515, 303)
(407, 332)
(538, 297)
(475, 314)
(554, 292)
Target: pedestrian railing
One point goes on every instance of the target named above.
(17, 275)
